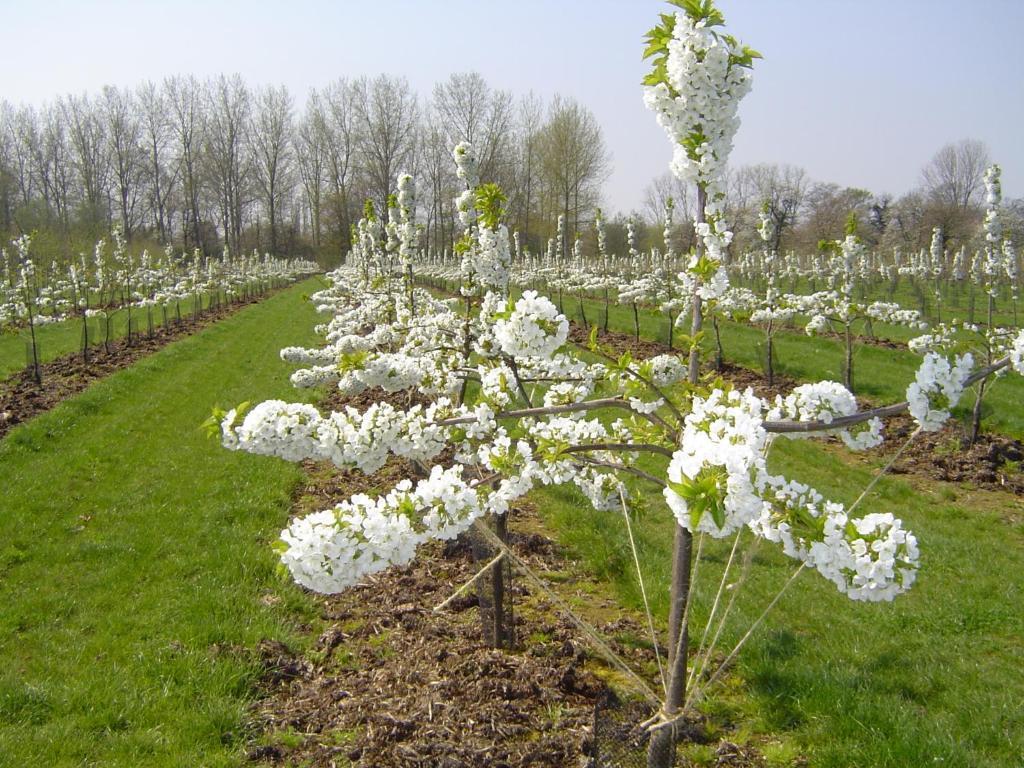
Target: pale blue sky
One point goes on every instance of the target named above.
(861, 93)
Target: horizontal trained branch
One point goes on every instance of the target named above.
(792, 427)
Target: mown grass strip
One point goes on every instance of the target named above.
(134, 560)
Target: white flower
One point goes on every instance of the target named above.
(667, 370)
(710, 476)
(870, 558)
(1017, 353)
(535, 328)
(644, 407)
(937, 389)
(332, 550)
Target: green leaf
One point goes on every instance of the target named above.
(212, 425)
(717, 513)
(490, 203)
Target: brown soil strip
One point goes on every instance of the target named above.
(993, 463)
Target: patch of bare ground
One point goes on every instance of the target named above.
(993, 462)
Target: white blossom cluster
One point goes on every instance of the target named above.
(872, 558)
(493, 259)
(712, 473)
(824, 307)
(297, 431)
(937, 389)
(466, 169)
(824, 401)
(719, 472)
(1017, 353)
(667, 370)
(535, 328)
(335, 549)
(698, 105)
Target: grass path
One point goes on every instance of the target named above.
(933, 678)
(134, 556)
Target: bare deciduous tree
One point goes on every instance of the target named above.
(954, 175)
(270, 131)
(230, 110)
(779, 188)
(469, 110)
(574, 161)
(124, 132)
(185, 96)
(90, 157)
(827, 207)
(311, 155)
(527, 179)
(161, 170)
(388, 116)
(656, 197)
(339, 121)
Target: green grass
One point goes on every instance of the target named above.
(880, 374)
(930, 679)
(134, 555)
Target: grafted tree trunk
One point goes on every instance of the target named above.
(660, 752)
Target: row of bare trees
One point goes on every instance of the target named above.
(218, 163)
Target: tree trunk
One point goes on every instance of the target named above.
(502, 632)
(976, 413)
(659, 751)
(848, 367)
(719, 352)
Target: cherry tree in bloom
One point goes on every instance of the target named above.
(542, 412)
